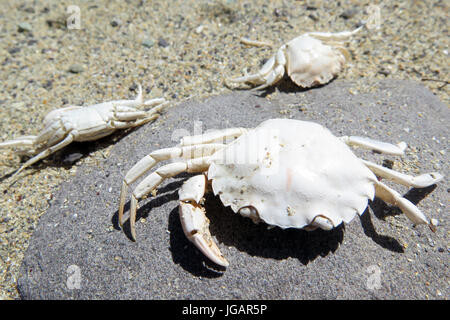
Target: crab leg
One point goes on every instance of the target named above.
(194, 221)
(270, 73)
(421, 181)
(153, 102)
(53, 131)
(391, 196)
(337, 36)
(273, 77)
(131, 103)
(375, 145)
(139, 117)
(48, 132)
(45, 153)
(344, 52)
(113, 124)
(128, 114)
(122, 112)
(257, 78)
(19, 142)
(213, 136)
(136, 102)
(149, 161)
(157, 177)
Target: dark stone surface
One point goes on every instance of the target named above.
(78, 235)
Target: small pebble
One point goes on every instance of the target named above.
(76, 68)
(71, 158)
(48, 84)
(434, 222)
(387, 163)
(384, 71)
(162, 43)
(14, 50)
(148, 43)
(279, 12)
(115, 22)
(347, 14)
(29, 10)
(24, 27)
(313, 16)
(199, 29)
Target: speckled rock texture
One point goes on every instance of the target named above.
(78, 252)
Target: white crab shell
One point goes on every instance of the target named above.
(310, 62)
(302, 171)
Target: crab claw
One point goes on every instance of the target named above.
(194, 221)
(196, 228)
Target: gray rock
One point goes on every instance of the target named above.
(375, 256)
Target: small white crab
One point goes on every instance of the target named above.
(286, 173)
(311, 59)
(75, 123)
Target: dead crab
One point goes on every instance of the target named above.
(75, 123)
(286, 173)
(313, 58)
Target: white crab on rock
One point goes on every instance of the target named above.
(286, 173)
(311, 59)
(75, 123)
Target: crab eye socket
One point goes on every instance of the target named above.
(250, 212)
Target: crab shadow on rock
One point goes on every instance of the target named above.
(232, 230)
(286, 85)
(381, 210)
(165, 194)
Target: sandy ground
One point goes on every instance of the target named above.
(177, 50)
